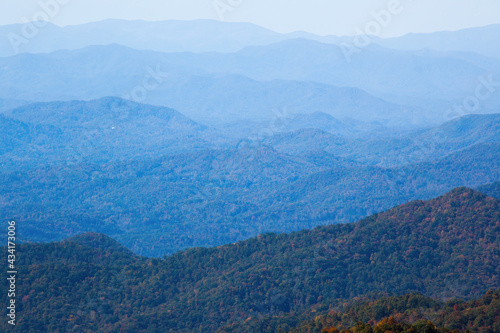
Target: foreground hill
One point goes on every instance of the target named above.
(446, 247)
(400, 313)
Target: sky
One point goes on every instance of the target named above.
(322, 17)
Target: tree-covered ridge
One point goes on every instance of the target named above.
(446, 247)
(210, 198)
(158, 182)
(403, 313)
(100, 242)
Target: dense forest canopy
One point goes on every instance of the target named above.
(446, 247)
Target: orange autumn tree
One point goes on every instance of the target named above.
(330, 330)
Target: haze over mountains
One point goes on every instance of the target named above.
(265, 72)
(265, 132)
(177, 138)
(466, 40)
(216, 36)
(128, 169)
(166, 36)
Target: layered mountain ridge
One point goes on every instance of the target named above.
(445, 247)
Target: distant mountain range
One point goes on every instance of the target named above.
(122, 72)
(393, 149)
(166, 79)
(126, 169)
(480, 40)
(174, 136)
(124, 163)
(446, 247)
(215, 36)
(165, 36)
(7, 104)
(112, 129)
(393, 87)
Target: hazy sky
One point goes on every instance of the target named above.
(336, 17)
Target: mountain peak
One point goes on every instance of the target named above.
(100, 242)
(461, 192)
(460, 197)
(449, 215)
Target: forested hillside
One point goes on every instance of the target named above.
(204, 176)
(444, 248)
(128, 170)
(425, 315)
(209, 198)
(406, 313)
(98, 131)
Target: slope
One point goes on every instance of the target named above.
(396, 149)
(423, 313)
(108, 129)
(209, 198)
(445, 247)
